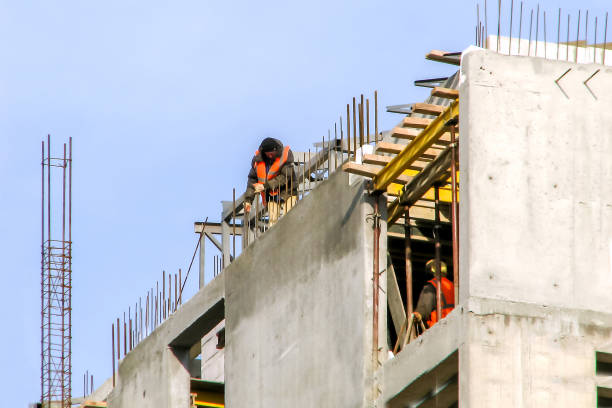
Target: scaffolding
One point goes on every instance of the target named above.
(56, 278)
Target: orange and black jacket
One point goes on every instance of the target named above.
(282, 180)
(426, 304)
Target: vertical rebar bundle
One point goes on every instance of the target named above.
(56, 278)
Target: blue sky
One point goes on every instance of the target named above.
(166, 102)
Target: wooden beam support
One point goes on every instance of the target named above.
(452, 58)
(446, 93)
(437, 171)
(416, 148)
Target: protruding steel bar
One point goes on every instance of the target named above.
(348, 130)
(180, 298)
(169, 294)
(163, 304)
(530, 28)
(375, 285)
(136, 324)
(558, 32)
(498, 23)
(437, 247)
(486, 28)
(537, 30)
(341, 142)
(176, 292)
(511, 15)
(118, 340)
(408, 261)
(113, 353)
(328, 153)
(354, 128)
(603, 62)
(368, 120)
(520, 30)
(147, 315)
(49, 255)
(125, 343)
(42, 273)
(454, 213)
(545, 46)
(376, 115)
(63, 272)
(478, 42)
(361, 108)
(577, 35)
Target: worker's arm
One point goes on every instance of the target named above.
(427, 301)
(249, 194)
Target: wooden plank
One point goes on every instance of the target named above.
(416, 122)
(394, 297)
(380, 160)
(369, 170)
(411, 134)
(396, 148)
(416, 148)
(443, 56)
(447, 93)
(428, 109)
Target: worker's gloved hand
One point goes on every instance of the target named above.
(247, 207)
(418, 316)
(258, 187)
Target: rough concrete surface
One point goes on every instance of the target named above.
(536, 229)
(536, 211)
(298, 306)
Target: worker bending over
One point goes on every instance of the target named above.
(272, 176)
(426, 306)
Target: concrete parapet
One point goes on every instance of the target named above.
(299, 305)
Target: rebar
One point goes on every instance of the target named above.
(438, 250)
(56, 279)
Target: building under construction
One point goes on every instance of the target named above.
(504, 174)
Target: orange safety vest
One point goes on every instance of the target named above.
(274, 171)
(448, 299)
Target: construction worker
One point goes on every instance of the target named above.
(426, 306)
(272, 176)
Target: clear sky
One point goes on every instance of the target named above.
(166, 103)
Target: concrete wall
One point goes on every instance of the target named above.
(298, 306)
(536, 229)
(536, 168)
(212, 358)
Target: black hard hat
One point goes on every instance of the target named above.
(268, 145)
